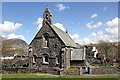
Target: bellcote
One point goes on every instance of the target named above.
(47, 16)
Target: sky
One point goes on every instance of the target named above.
(86, 22)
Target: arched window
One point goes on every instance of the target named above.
(45, 58)
(46, 40)
(34, 58)
(46, 16)
(57, 59)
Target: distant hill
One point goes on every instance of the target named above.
(14, 46)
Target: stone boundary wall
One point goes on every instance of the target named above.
(17, 70)
(27, 70)
(104, 70)
(72, 72)
(96, 71)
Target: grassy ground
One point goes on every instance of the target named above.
(72, 68)
(54, 77)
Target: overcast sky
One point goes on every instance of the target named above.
(86, 22)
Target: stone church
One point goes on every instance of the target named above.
(53, 49)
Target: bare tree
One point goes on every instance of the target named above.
(103, 47)
(108, 51)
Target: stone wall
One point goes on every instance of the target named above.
(104, 70)
(49, 71)
(72, 72)
(96, 71)
(53, 50)
(28, 70)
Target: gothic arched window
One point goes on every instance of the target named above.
(46, 40)
(45, 58)
(57, 59)
(34, 58)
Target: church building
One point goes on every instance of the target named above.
(53, 49)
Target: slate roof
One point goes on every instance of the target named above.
(64, 37)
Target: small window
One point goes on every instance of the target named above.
(45, 59)
(57, 60)
(34, 58)
(46, 16)
(45, 40)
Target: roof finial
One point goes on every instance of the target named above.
(47, 6)
(47, 9)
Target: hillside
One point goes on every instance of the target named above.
(14, 46)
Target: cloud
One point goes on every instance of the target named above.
(11, 36)
(60, 26)
(113, 23)
(90, 25)
(110, 33)
(9, 27)
(86, 41)
(92, 38)
(61, 7)
(94, 15)
(39, 23)
(95, 37)
(93, 34)
(112, 28)
(76, 38)
(79, 40)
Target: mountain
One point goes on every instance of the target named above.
(14, 46)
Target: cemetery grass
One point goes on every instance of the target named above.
(39, 76)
